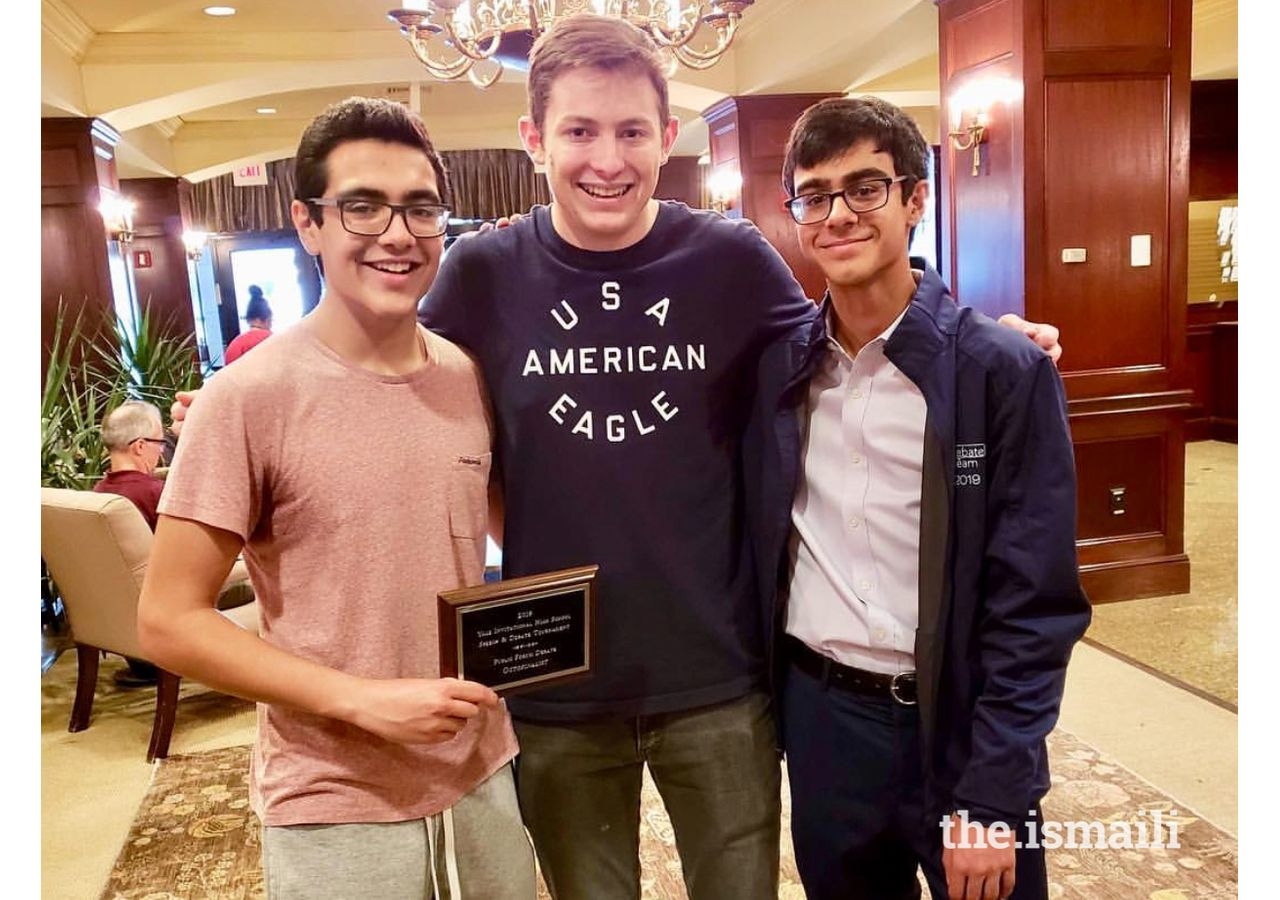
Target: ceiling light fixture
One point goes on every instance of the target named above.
(266, 110)
(219, 10)
(469, 32)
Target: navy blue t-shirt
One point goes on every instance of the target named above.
(621, 382)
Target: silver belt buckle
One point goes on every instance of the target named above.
(894, 688)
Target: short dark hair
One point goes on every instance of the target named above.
(358, 119)
(831, 127)
(590, 41)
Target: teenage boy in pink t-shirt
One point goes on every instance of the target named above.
(349, 459)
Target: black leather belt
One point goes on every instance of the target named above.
(900, 688)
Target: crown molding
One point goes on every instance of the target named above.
(165, 48)
(169, 127)
(67, 29)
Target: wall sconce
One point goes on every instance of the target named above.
(195, 242)
(117, 215)
(976, 98)
(970, 137)
(724, 185)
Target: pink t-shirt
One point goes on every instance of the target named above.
(359, 496)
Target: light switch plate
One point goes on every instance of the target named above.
(1073, 254)
(1140, 250)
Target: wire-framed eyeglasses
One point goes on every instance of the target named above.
(864, 197)
(371, 218)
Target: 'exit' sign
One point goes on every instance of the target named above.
(245, 176)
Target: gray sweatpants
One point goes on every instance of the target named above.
(478, 850)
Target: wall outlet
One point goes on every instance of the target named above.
(1117, 501)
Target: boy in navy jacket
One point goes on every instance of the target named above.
(929, 597)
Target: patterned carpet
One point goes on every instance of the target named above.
(194, 837)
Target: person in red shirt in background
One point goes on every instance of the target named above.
(134, 436)
(258, 315)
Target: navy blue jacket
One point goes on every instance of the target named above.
(1000, 599)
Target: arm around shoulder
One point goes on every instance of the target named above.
(786, 312)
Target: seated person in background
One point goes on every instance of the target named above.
(258, 315)
(134, 436)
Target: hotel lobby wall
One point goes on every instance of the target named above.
(1215, 141)
(1213, 357)
(77, 164)
(1092, 151)
(1212, 329)
(161, 212)
(749, 135)
(680, 180)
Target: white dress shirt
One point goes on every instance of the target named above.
(856, 516)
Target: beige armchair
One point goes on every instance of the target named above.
(96, 547)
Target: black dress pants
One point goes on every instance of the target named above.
(858, 821)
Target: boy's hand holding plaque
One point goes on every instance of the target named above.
(520, 633)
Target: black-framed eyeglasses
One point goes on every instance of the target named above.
(160, 441)
(371, 218)
(863, 197)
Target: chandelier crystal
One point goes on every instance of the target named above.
(452, 38)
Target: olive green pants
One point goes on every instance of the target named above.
(717, 769)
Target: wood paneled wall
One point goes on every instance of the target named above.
(680, 180)
(1212, 330)
(1093, 151)
(161, 212)
(1215, 139)
(1213, 358)
(749, 135)
(77, 160)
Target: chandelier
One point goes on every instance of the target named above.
(452, 38)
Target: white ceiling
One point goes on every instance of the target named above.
(183, 87)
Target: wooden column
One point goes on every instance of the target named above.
(749, 136)
(1093, 152)
(161, 213)
(680, 180)
(77, 160)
